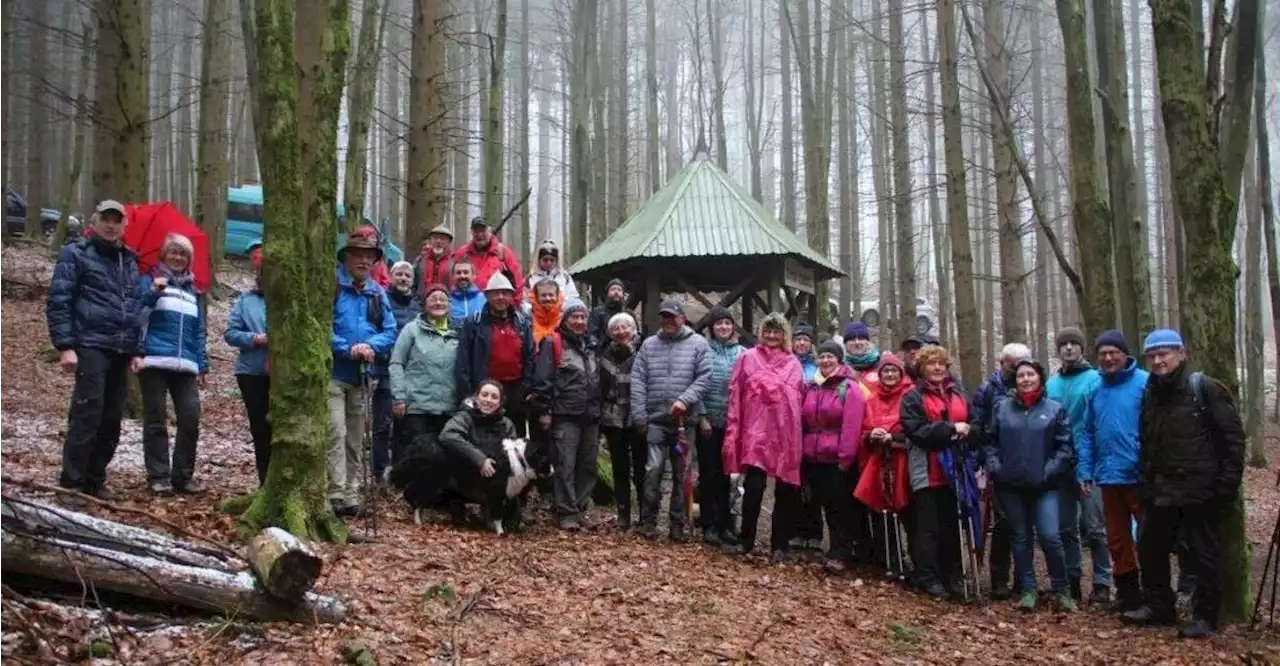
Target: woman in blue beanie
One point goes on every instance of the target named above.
(860, 353)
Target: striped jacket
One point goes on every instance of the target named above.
(173, 327)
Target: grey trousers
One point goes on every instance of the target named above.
(661, 440)
(344, 456)
(576, 446)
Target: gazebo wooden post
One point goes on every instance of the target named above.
(774, 298)
(748, 309)
(652, 297)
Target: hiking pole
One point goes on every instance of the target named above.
(1270, 570)
(371, 493)
(686, 489)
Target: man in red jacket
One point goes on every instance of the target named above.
(490, 257)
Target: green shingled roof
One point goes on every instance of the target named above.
(702, 212)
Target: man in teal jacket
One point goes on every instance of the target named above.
(1080, 510)
(364, 328)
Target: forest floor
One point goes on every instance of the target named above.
(442, 595)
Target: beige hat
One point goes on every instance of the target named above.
(499, 282)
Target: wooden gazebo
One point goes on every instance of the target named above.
(703, 232)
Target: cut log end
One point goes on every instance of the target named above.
(286, 567)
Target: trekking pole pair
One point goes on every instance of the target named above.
(370, 509)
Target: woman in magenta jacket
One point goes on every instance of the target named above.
(832, 421)
(762, 435)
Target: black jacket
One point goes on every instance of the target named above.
(1191, 451)
(572, 387)
(93, 299)
(475, 341)
(598, 322)
(471, 436)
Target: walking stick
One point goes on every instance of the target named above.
(886, 489)
(682, 443)
(969, 568)
(1270, 573)
(370, 510)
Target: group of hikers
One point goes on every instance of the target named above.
(458, 355)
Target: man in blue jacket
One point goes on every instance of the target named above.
(1080, 510)
(92, 315)
(1109, 461)
(465, 298)
(364, 328)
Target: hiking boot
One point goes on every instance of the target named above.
(1001, 592)
(569, 524)
(677, 535)
(648, 531)
(1128, 595)
(1027, 602)
(740, 549)
(1100, 597)
(711, 538)
(1066, 602)
(160, 489)
(728, 539)
(780, 557)
(814, 544)
(188, 487)
(1074, 588)
(103, 493)
(936, 590)
(1196, 628)
(624, 520)
(1148, 616)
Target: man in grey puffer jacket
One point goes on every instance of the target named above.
(668, 379)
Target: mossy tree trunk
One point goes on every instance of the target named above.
(211, 197)
(1207, 131)
(300, 88)
(1089, 211)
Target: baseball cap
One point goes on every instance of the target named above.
(671, 307)
(478, 221)
(110, 205)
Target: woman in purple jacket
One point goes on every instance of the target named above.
(832, 420)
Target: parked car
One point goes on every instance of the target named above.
(15, 217)
(869, 312)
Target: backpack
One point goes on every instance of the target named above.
(557, 348)
(372, 308)
(1198, 397)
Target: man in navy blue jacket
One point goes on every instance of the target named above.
(92, 314)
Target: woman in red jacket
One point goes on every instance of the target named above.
(884, 485)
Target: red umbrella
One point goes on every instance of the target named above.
(150, 223)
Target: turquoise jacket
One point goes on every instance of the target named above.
(716, 399)
(1073, 387)
(809, 366)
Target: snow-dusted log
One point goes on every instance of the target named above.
(285, 566)
(230, 594)
(48, 520)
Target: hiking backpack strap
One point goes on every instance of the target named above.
(843, 390)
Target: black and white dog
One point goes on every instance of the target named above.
(429, 480)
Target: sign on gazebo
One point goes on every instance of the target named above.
(798, 276)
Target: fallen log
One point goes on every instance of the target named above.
(285, 566)
(230, 594)
(53, 521)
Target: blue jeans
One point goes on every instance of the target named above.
(660, 442)
(1034, 512)
(1078, 517)
(383, 420)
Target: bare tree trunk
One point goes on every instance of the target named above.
(1013, 298)
(493, 148)
(716, 37)
(1137, 80)
(968, 335)
(788, 131)
(902, 217)
(1042, 178)
(881, 168)
(618, 126)
(545, 127)
(427, 153)
(653, 139)
(597, 139)
(674, 153)
(182, 155)
(937, 234)
(81, 122)
(584, 25)
(161, 134)
(6, 77)
(37, 171)
(211, 206)
(850, 243)
(521, 154)
(392, 168)
(363, 75)
(1268, 208)
(754, 104)
(120, 151)
(459, 141)
(1255, 345)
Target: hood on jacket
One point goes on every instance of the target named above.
(1075, 368)
(1123, 374)
(841, 372)
(684, 332)
(469, 404)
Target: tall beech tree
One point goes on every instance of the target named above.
(1205, 105)
(302, 53)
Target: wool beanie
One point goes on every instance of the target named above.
(1068, 334)
(615, 281)
(856, 330)
(433, 288)
(1112, 338)
(1162, 338)
(805, 330)
(574, 305)
(831, 347)
(892, 359)
(717, 313)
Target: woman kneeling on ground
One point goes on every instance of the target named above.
(1028, 452)
(478, 462)
(762, 435)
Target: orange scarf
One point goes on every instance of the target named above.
(546, 318)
